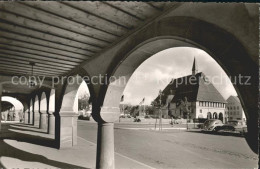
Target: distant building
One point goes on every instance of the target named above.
(192, 97)
(234, 109)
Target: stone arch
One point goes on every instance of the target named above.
(69, 112)
(69, 101)
(170, 32)
(17, 105)
(92, 90)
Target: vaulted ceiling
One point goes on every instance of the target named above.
(58, 36)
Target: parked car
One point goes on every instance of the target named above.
(212, 125)
(234, 125)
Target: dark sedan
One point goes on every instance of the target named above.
(234, 126)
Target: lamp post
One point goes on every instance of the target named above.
(159, 111)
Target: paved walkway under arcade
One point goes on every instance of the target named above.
(25, 146)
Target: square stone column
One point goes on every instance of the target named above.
(36, 118)
(68, 129)
(43, 120)
(51, 123)
(31, 117)
(26, 117)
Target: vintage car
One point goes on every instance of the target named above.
(212, 125)
(234, 126)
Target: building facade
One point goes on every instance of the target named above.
(234, 109)
(193, 97)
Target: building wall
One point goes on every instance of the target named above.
(200, 109)
(203, 108)
(235, 110)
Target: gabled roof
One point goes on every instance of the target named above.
(208, 92)
(194, 88)
(235, 98)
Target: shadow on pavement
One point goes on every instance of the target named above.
(26, 125)
(38, 140)
(20, 127)
(10, 151)
(217, 133)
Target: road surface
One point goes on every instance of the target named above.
(176, 148)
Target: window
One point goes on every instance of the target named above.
(237, 107)
(200, 111)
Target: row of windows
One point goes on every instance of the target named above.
(211, 104)
(234, 107)
(233, 113)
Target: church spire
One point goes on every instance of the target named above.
(194, 67)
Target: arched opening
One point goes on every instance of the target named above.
(36, 111)
(215, 115)
(70, 110)
(12, 109)
(221, 117)
(132, 61)
(209, 115)
(31, 115)
(7, 111)
(84, 102)
(51, 113)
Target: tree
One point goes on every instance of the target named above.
(83, 101)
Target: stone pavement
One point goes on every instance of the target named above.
(25, 146)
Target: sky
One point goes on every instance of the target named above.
(157, 71)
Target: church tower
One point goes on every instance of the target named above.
(194, 67)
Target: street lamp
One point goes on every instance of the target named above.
(159, 111)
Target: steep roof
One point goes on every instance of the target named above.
(194, 88)
(235, 98)
(208, 92)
